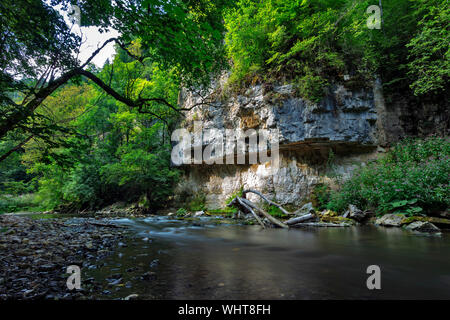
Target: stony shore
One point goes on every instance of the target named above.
(35, 254)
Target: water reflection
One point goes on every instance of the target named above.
(237, 262)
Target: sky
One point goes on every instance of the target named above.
(92, 39)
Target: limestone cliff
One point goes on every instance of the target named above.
(318, 141)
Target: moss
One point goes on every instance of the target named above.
(225, 211)
(337, 219)
(434, 220)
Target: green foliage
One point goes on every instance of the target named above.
(24, 202)
(412, 176)
(228, 211)
(198, 202)
(314, 43)
(181, 212)
(429, 50)
(235, 194)
(118, 152)
(275, 212)
(320, 196)
(406, 207)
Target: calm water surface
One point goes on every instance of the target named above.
(204, 261)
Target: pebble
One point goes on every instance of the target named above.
(39, 251)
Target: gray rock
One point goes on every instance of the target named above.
(199, 213)
(390, 220)
(422, 226)
(305, 209)
(355, 213)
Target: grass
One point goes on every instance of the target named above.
(43, 216)
(17, 203)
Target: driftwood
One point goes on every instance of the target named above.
(251, 207)
(267, 200)
(265, 214)
(294, 221)
(242, 203)
(238, 202)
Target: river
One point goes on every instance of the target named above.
(203, 260)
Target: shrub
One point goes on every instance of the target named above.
(320, 196)
(24, 202)
(197, 203)
(411, 178)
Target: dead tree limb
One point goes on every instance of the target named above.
(265, 214)
(294, 221)
(267, 200)
(251, 210)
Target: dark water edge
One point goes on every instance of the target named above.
(173, 259)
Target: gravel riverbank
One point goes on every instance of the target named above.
(35, 254)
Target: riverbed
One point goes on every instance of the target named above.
(174, 259)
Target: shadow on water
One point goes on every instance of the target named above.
(171, 259)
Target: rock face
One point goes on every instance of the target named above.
(350, 123)
(390, 220)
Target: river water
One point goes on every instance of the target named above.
(203, 260)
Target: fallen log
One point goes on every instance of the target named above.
(264, 213)
(249, 206)
(293, 221)
(267, 200)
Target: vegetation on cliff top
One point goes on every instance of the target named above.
(314, 43)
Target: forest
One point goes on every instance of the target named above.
(76, 137)
(94, 207)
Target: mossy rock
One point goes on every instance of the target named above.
(338, 219)
(329, 213)
(434, 220)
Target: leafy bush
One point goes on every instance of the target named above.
(197, 203)
(181, 212)
(317, 42)
(320, 196)
(275, 212)
(411, 177)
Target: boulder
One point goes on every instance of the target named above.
(422, 226)
(199, 213)
(355, 213)
(390, 220)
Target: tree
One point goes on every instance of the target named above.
(37, 57)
